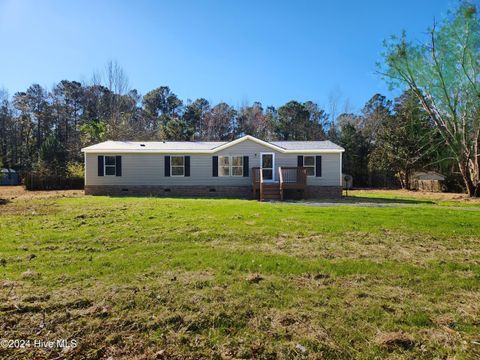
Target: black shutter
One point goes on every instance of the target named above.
(100, 165)
(214, 166)
(300, 160)
(167, 165)
(118, 165)
(187, 165)
(245, 166)
(318, 166)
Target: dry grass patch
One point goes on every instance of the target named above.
(438, 198)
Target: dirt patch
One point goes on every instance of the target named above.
(395, 340)
(8, 193)
(254, 278)
(421, 195)
(30, 274)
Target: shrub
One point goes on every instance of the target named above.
(75, 169)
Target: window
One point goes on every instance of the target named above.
(309, 164)
(237, 165)
(224, 166)
(230, 165)
(110, 165)
(177, 166)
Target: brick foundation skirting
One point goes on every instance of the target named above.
(242, 192)
(325, 192)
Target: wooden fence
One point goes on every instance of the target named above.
(34, 181)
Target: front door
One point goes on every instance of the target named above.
(268, 166)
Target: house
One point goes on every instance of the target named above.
(243, 168)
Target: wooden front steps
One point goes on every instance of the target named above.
(270, 192)
(290, 178)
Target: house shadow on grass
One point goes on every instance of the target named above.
(364, 201)
(361, 200)
(380, 200)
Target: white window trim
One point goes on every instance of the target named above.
(273, 164)
(230, 165)
(171, 165)
(314, 165)
(105, 165)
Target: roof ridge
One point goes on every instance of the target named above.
(282, 146)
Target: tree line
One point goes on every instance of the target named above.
(433, 125)
(43, 130)
(39, 122)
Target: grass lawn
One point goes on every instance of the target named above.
(182, 278)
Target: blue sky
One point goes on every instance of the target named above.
(234, 51)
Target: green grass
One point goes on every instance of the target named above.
(132, 276)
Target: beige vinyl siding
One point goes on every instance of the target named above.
(148, 169)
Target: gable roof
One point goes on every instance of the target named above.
(208, 147)
(428, 175)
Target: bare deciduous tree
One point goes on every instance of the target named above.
(444, 74)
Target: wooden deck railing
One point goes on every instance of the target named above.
(256, 180)
(289, 178)
(292, 178)
(261, 184)
(292, 175)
